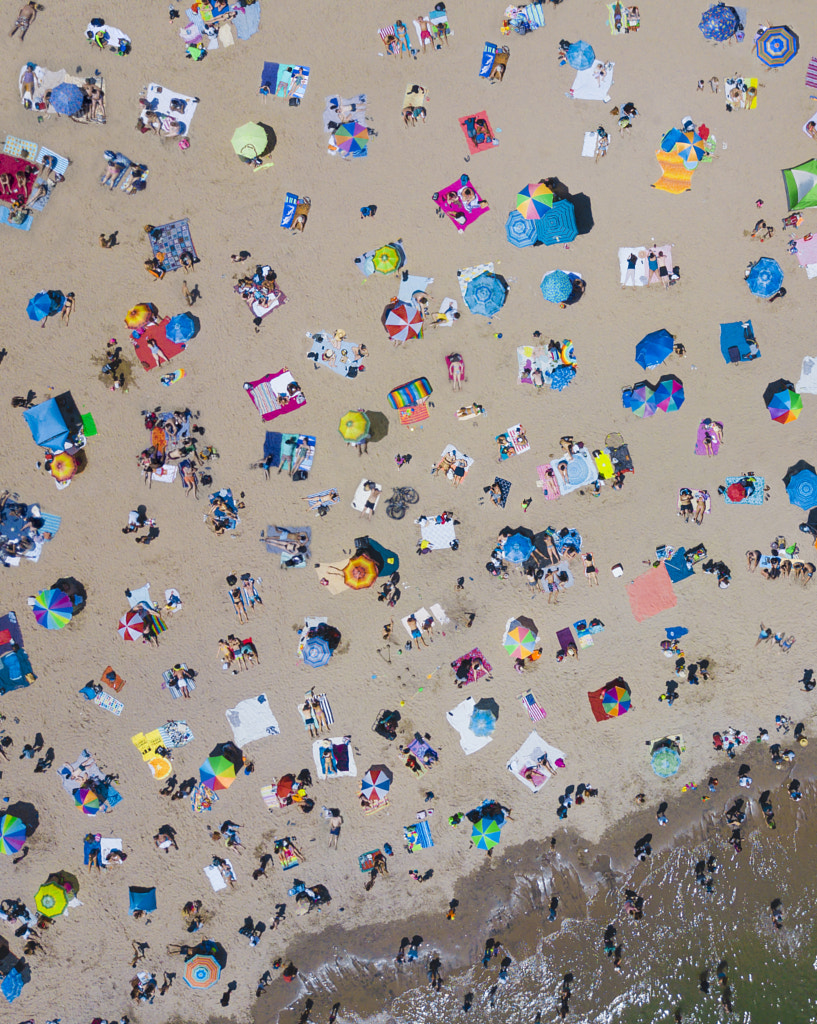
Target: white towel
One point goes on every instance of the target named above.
(459, 718)
(252, 719)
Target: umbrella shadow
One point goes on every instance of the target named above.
(379, 424)
(74, 589)
(27, 813)
(583, 210)
(799, 467)
(487, 704)
(272, 138)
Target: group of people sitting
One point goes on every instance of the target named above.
(782, 563)
(21, 530)
(237, 655)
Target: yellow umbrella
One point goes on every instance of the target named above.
(51, 900)
(360, 572)
(63, 467)
(354, 427)
(141, 314)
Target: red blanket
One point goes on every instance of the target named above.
(12, 166)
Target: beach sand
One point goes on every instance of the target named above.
(230, 208)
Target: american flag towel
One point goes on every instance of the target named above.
(811, 73)
(535, 712)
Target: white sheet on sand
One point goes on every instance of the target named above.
(641, 268)
(165, 474)
(333, 741)
(310, 622)
(589, 143)
(460, 719)
(410, 284)
(808, 377)
(163, 98)
(140, 595)
(594, 83)
(252, 719)
(445, 318)
(439, 614)
(215, 877)
(115, 35)
(438, 536)
(106, 847)
(529, 755)
(420, 615)
(362, 495)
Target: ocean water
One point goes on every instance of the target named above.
(772, 975)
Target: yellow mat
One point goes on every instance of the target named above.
(676, 177)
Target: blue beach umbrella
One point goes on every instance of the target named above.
(556, 286)
(317, 652)
(776, 46)
(517, 548)
(519, 230)
(67, 99)
(641, 400)
(669, 394)
(44, 304)
(581, 55)
(665, 761)
(180, 328)
(557, 224)
(485, 295)
(719, 23)
(802, 488)
(765, 277)
(654, 348)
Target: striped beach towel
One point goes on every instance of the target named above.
(109, 703)
(269, 797)
(418, 836)
(326, 707)
(536, 713)
(50, 523)
(811, 73)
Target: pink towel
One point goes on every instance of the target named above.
(550, 486)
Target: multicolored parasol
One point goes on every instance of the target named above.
(52, 609)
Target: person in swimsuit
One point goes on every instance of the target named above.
(425, 31)
(372, 491)
(685, 507)
(499, 65)
(25, 17)
(652, 267)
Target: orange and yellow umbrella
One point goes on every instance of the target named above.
(360, 572)
(63, 467)
(141, 315)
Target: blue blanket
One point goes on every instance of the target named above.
(247, 21)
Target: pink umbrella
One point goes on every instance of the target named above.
(132, 626)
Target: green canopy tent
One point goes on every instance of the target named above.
(801, 185)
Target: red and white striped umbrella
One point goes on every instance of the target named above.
(403, 322)
(132, 626)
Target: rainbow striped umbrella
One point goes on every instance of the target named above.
(52, 609)
(533, 200)
(616, 700)
(12, 834)
(352, 138)
(202, 971)
(88, 800)
(785, 406)
(217, 772)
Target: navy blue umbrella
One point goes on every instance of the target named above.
(486, 294)
(557, 224)
(719, 23)
(556, 286)
(519, 230)
(765, 277)
(653, 349)
(67, 98)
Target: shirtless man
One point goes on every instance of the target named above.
(25, 17)
(425, 32)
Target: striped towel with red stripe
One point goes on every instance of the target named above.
(811, 73)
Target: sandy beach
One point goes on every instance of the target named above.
(231, 208)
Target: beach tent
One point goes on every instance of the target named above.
(654, 348)
(55, 422)
(141, 898)
(801, 185)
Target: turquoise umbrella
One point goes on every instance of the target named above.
(486, 833)
(556, 286)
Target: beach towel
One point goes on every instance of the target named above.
(335, 353)
(513, 441)
(811, 73)
(476, 663)
(462, 210)
(10, 632)
(170, 242)
(338, 759)
(247, 20)
(675, 177)
(487, 60)
(24, 225)
(287, 857)
(593, 83)
(174, 106)
(14, 146)
(140, 596)
(421, 615)
(107, 37)
(459, 718)
(479, 135)
(269, 797)
(740, 93)
(414, 97)
(362, 495)
(565, 638)
(624, 21)
(677, 567)
(213, 873)
(276, 394)
(751, 496)
(457, 461)
(579, 468)
(157, 335)
(106, 848)
(504, 490)
(807, 384)
(583, 633)
(109, 703)
(535, 711)
(528, 763)
(549, 482)
(590, 142)
(418, 837)
(322, 499)
(165, 474)
(259, 302)
(366, 860)
(202, 798)
(651, 593)
(291, 201)
(340, 110)
(436, 536)
(252, 719)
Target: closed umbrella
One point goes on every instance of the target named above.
(784, 405)
(354, 427)
(765, 277)
(317, 652)
(403, 321)
(581, 55)
(486, 833)
(533, 200)
(519, 230)
(376, 783)
(131, 625)
(45, 304)
(67, 98)
(719, 23)
(801, 487)
(665, 760)
(180, 328)
(250, 140)
(654, 348)
(12, 834)
(777, 46)
(556, 286)
(669, 394)
(558, 224)
(202, 971)
(52, 609)
(486, 293)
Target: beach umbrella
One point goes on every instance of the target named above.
(217, 772)
(690, 147)
(736, 492)
(784, 405)
(45, 304)
(140, 315)
(202, 971)
(801, 185)
(67, 98)
(801, 487)
(52, 609)
(354, 427)
(131, 625)
(376, 783)
(352, 138)
(669, 394)
(520, 637)
(387, 259)
(517, 547)
(556, 286)
(642, 400)
(776, 46)
(180, 328)
(51, 899)
(250, 140)
(360, 571)
(12, 834)
(403, 321)
(88, 799)
(719, 23)
(63, 467)
(616, 699)
(558, 224)
(317, 652)
(665, 761)
(654, 348)
(533, 200)
(486, 293)
(486, 833)
(519, 230)
(580, 55)
(765, 277)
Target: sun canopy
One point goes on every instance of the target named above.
(53, 423)
(141, 898)
(654, 348)
(581, 55)
(801, 185)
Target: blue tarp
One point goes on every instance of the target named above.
(47, 426)
(14, 667)
(677, 568)
(140, 898)
(738, 339)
